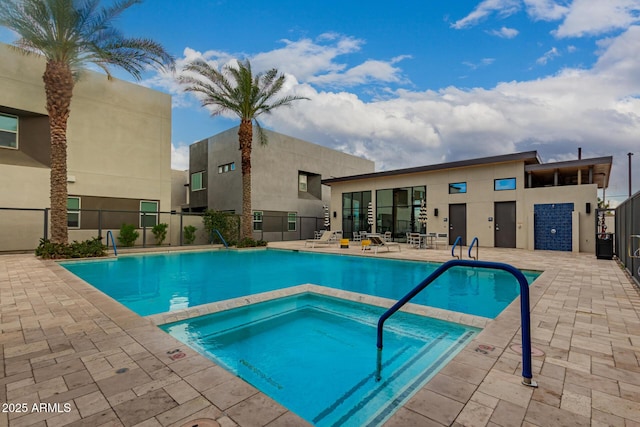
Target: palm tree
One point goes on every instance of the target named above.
(237, 90)
(70, 34)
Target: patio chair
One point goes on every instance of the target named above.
(387, 236)
(357, 237)
(327, 238)
(377, 243)
(413, 240)
(442, 239)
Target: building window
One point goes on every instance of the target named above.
(355, 212)
(302, 182)
(8, 131)
(226, 168)
(292, 220)
(458, 188)
(398, 210)
(73, 212)
(148, 213)
(504, 184)
(197, 181)
(257, 221)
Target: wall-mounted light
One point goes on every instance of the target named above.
(587, 208)
(335, 214)
(435, 212)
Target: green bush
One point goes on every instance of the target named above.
(227, 224)
(87, 249)
(189, 234)
(128, 235)
(160, 232)
(248, 242)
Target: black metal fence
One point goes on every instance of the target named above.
(628, 232)
(22, 228)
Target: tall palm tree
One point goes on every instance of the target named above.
(237, 90)
(71, 34)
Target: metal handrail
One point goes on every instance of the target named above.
(220, 236)
(473, 242)
(455, 243)
(525, 317)
(115, 249)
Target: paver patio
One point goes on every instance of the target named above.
(94, 362)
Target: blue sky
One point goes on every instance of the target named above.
(420, 82)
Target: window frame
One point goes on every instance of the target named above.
(9, 131)
(74, 212)
(227, 167)
(146, 214)
(258, 220)
(453, 184)
(292, 218)
(303, 180)
(202, 186)
(495, 184)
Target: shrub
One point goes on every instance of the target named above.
(248, 242)
(128, 235)
(87, 249)
(189, 234)
(160, 232)
(227, 224)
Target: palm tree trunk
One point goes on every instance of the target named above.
(58, 85)
(245, 136)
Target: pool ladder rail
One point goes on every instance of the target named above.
(115, 249)
(458, 242)
(215, 230)
(525, 315)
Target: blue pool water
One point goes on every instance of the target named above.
(152, 284)
(316, 355)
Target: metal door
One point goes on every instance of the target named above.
(505, 224)
(458, 223)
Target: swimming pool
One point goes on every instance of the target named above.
(158, 283)
(316, 355)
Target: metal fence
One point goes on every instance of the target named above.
(22, 228)
(628, 231)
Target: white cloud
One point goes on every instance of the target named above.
(548, 55)
(483, 63)
(486, 8)
(180, 156)
(505, 33)
(592, 17)
(545, 10)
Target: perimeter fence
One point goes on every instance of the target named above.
(21, 229)
(628, 230)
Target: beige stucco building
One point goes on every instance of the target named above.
(513, 200)
(119, 151)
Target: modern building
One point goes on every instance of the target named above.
(511, 201)
(119, 152)
(287, 194)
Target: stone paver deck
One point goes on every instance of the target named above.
(85, 360)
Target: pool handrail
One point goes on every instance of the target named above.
(473, 242)
(525, 316)
(455, 243)
(220, 236)
(115, 249)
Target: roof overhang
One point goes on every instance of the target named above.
(600, 169)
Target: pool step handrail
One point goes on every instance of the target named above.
(525, 316)
(113, 242)
(477, 244)
(453, 248)
(215, 230)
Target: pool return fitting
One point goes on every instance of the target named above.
(525, 317)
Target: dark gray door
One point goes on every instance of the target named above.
(458, 223)
(505, 224)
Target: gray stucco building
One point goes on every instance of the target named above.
(286, 180)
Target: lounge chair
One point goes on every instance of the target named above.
(325, 239)
(377, 243)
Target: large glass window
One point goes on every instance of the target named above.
(458, 188)
(355, 207)
(148, 213)
(397, 210)
(73, 212)
(197, 181)
(504, 184)
(8, 131)
(257, 220)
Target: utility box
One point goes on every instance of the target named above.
(604, 245)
